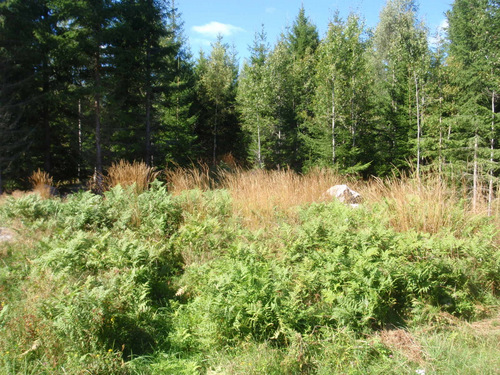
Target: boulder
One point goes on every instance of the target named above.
(6, 235)
(344, 194)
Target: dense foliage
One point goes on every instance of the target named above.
(84, 84)
(152, 283)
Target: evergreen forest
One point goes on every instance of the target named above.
(86, 83)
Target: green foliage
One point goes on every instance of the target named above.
(30, 208)
(340, 268)
(148, 283)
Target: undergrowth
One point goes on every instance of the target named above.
(147, 282)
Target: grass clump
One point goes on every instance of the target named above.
(136, 174)
(42, 183)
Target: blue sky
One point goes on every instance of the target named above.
(239, 20)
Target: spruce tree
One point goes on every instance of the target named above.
(302, 41)
(29, 96)
(253, 99)
(217, 79)
(175, 139)
(475, 51)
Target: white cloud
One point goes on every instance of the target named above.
(443, 25)
(439, 34)
(212, 29)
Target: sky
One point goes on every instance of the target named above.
(238, 20)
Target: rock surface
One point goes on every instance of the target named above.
(344, 194)
(6, 235)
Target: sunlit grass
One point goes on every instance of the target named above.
(126, 174)
(42, 183)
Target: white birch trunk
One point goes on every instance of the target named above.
(492, 151)
(419, 130)
(333, 124)
(475, 181)
(259, 154)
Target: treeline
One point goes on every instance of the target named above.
(85, 83)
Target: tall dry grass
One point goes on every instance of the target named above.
(426, 205)
(180, 179)
(42, 183)
(259, 195)
(125, 173)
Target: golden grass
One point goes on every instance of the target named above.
(127, 174)
(259, 195)
(180, 179)
(425, 205)
(42, 183)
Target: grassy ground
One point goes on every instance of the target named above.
(249, 273)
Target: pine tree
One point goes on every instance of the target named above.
(217, 77)
(474, 49)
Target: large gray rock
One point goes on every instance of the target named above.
(6, 235)
(344, 194)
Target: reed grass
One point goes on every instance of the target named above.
(260, 195)
(41, 183)
(127, 174)
(425, 204)
(180, 179)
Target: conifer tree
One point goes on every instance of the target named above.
(253, 98)
(341, 104)
(401, 52)
(302, 41)
(217, 77)
(142, 70)
(175, 139)
(475, 50)
(29, 99)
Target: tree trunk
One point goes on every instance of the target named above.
(353, 115)
(148, 109)
(492, 152)
(97, 118)
(45, 102)
(475, 178)
(46, 119)
(79, 139)
(441, 161)
(419, 130)
(215, 135)
(333, 124)
(259, 154)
